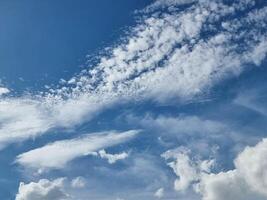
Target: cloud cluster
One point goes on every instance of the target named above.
(247, 181)
(176, 54)
(58, 154)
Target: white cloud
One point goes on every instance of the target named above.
(164, 57)
(252, 166)
(159, 4)
(247, 181)
(187, 170)
(112, 158)
(200, 134)
(227, 185)
(183, 125)
(21, 119)
(4, 90)
(78, 182)
(42, 190)
(159, 193)
(183, 169)
(58, 154)
(252, 99)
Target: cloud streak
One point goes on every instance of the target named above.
(58, 154)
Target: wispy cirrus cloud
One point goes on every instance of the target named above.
(58, 154)
(252, 99)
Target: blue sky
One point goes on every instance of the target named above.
(55, 37)
(132, 100)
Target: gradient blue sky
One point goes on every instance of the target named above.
(133, 100)
(56, 36)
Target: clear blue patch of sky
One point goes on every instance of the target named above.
(43, 41)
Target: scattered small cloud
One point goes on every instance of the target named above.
(159, 193)
(112, 158)
(78, 182)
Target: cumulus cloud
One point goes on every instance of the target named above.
(56, 155)
(247, 181)
(42, 190)
(227, 185)
(252, 165)
(177, 54)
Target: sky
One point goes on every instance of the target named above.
(133, 100)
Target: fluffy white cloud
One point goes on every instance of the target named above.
(248, 181)
(58, 154)
(252, 165)
(42, 190)
(227, 185)
(112, 158)
(172, 55)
